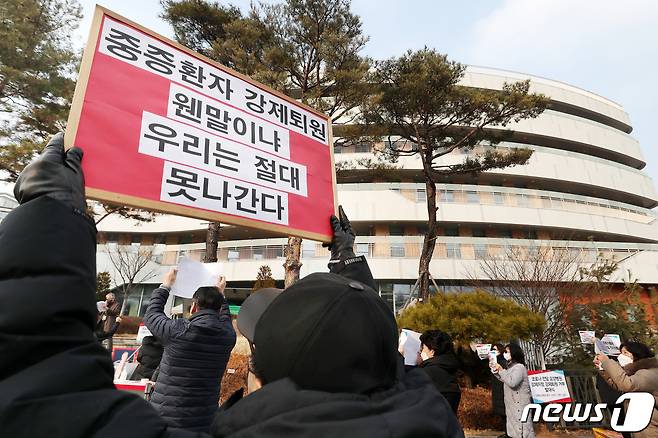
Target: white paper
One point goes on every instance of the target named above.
(612, 343)
(483, 350)
(586, 336)
(142, 333)
(101, 306)
(409, 346)
(193, 275)
(608, 345)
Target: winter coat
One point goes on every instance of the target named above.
(517, 396)
(55, 377)
(149, 357)
(638, 376)
(442, 370)
(100, 332)
(110, 316)
(196, 352)
(281, 409)
(497, 390)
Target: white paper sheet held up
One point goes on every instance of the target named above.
(409, 346)
(193, 275)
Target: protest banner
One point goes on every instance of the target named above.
(548, 386)
(166, 129)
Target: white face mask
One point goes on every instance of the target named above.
(507, 356)
(424, 355)
(624, 360)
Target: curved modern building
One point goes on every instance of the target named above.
(583, 188)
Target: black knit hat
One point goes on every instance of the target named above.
(326, 332)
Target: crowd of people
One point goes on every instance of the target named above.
(324, 352)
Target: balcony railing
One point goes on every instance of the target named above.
(392, 247)
(512, 197)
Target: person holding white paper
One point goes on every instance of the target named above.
(196, 351)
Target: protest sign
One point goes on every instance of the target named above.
(548, 386)
(409, 346)
(101, 306)
(193, 275)
(143, 332)
(586, 336)
(164, 128)
(482, 350)
(611, 343)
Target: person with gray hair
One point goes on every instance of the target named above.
(109, 317)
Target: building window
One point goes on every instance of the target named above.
(338, 149)
(480, 251)
(453, 250)
(498, 198)
(233, 255)
(185, 239)
(274, 251)
(505, 234)
(362, 249)
(397, 250)
(258, 252)
(472, 197)
(181, 255)
(308, 249)
(452, 231)
(447, 196)
(479, 232)
(363, 148)
(396, 230)
(421, 195)
(522, 200)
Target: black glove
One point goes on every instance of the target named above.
(56, 174)
(342, 243)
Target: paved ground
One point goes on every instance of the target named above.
(540, 431)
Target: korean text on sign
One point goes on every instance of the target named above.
(128, 45)
(166, 129)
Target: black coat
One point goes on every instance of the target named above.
(442, 370)
(149, 357)
(196, 352)
(411, 408)
(498, 390)
(55, 377)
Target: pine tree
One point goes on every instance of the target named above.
(264, 278)
(417, 97)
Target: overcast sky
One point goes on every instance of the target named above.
(609, 47)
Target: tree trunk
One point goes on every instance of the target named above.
(212, 238)
(292, 264)
(428, 242)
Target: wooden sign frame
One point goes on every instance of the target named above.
(164, 207)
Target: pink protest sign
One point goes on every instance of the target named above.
(166, 129)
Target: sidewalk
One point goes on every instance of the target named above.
(540, 431)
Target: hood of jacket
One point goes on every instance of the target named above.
(641, 364)
(411, 408)
(447, 361)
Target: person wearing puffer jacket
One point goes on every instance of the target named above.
(635, 371)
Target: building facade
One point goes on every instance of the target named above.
(583, 188)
